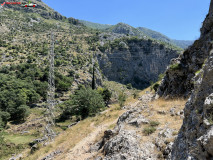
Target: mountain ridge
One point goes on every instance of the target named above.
(139, 31)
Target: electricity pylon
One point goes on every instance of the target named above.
(50, 95)
(93, 74)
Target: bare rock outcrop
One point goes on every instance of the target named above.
(178, 79)
(195, 139)
(136, 61)
(122, 143)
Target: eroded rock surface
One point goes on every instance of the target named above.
(122, 143)
(195, 139)
(178, 79)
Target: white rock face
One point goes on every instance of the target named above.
(195, 139)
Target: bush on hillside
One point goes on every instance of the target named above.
(122, 99)
(155, 86)
(85, 102)
(149, 130)
(176, 66)
(22, 86)
(15, 95)
(106, 94)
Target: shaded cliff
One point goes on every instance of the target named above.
(135, 61)
(178, 79)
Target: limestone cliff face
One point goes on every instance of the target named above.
(178, 80)
(195, 138)
(136, 62)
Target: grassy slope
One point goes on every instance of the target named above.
(72, 140)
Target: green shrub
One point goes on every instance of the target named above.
(129, 86)
(15, 94)
(160, 76)
(154, 123)
(23, 112)
(85, 102)
(4, 117)
(149, 130)
(106, 94)
(135, 94)
(122, 99)
(175, 66)
(155, 86)
(62, 82)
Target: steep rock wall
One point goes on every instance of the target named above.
(178, 79)
(136, 62)
(195, 138)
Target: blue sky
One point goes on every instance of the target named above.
(178, 19)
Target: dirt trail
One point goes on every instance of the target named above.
(81, 150)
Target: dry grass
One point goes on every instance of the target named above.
(165, 120)
(71, 137)
(173, 122)
(92, 129)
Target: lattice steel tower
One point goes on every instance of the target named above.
(50, 95)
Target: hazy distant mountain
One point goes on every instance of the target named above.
(154, 34)
(182, 43)
(159, 36)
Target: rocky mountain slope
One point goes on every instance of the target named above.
(195, 139)
(117, 55)
(156, 35)
(113, 52)
(126, 29)
(95, 25)
(179, 77)
(42, 9)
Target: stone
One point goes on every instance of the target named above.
(73, 124)
(161, 112)
(138, 121)
(195, 138)
(18, 157)
(125, 146)
(99, 158)
(172, 111)
(52, 155)
(207, 141)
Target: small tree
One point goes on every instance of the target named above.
(107, 96)
(85, 102)
(122, 99)
(105, 92)
(23, 112)
(4, 117)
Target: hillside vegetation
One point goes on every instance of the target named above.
(98, 73)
